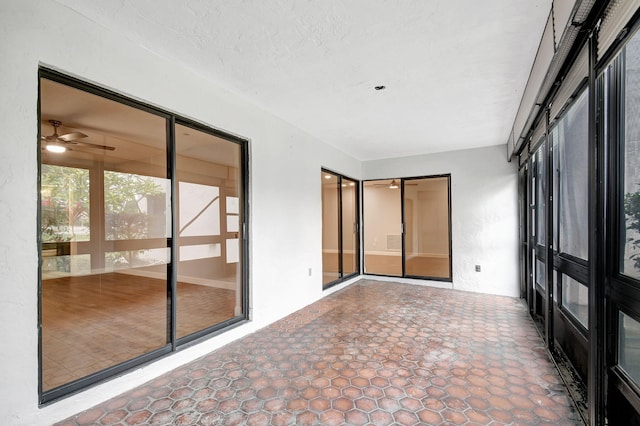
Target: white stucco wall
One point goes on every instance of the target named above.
(285, 190)
(484, 213)
(285, 198)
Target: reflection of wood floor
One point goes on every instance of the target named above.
(93, 322)
(330, 266)
(421, 266)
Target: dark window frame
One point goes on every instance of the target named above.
(565, 263)
(174, 344)
(402, 218)
(622, 291)
(342, 277)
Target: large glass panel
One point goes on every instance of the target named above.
(541, 278)
(349, 227)
(540, 194)
(382, 227)
(572, 173)
(208, 169)
(330, 228)
(630, 229)
(426, 218)
(629, 346)
(575, 299)
(105, 223)
(533, 190)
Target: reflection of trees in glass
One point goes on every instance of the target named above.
(126, 199)
(134, 209)
(65, 204)
(632, 212)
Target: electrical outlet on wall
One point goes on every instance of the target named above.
(310, 270)
(477, 268)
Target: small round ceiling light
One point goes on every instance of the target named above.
(380, 87)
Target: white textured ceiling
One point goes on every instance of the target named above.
(454, 70)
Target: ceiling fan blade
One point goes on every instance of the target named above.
(93, 145)
(72, 136)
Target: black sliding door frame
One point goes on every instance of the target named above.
(402, 182)
(340, 229)
(172, 344)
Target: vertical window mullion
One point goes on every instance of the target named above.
(596, 253)
(172, 241)
(403, 229)
(340, 233)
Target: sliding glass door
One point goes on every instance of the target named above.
(142, 231)
(426, 219)
(407, 227)
(105, 228)
(350, 234)
(382, 227)
(340, 235)
(209, 284)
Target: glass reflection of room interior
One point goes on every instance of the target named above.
(330, 227)
(407, 216)
(339, 227)
(349, 226)
(106, 232)
(105, 224)
(209, 275)
(426, 219)
(382, 221)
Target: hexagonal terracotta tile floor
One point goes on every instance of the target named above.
(374, 353)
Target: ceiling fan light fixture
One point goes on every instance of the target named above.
(58, 143)
(56, 148)
(393, 184)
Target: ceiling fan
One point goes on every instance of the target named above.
(60, 143)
